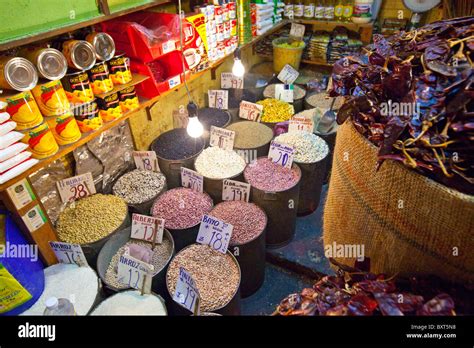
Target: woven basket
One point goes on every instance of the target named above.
(407, 223)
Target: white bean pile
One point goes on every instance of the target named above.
(216, 163)
(309, 148)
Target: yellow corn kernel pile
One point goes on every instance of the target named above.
(275, 110)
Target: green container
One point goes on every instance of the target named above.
(119, 5)
(21, 18)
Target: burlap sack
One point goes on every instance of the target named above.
(407, 223)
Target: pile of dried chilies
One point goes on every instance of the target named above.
(412, 96)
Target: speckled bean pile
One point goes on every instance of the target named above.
(216, 163)
(217, 276)
(250, 134)
(176, 144)
(91, 218)
(139, 186)
(265, 175)
(248, 220)
(309, 148)
(181, 207)
(298, 92)
(161, 255)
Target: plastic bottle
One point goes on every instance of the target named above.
(338, 10)
(289, 9)
(62, 306)
(299, 9)
(309, 9)
(347, 11)
(329, 10)
(319, 10)
(362, 11)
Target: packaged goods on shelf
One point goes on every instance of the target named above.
(12, 150)
(13, 161)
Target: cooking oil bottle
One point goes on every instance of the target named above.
(329, 10)
(298, 8)
(319, 10)
(339, 10)
(348, 9)
(309, 9)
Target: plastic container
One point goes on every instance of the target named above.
(362, 13)
(59, 306)
(286, 55)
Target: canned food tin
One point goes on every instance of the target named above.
(128, 99)
(87, 116)
(41, 141)
(23, 110)
(109, 107)
(228, 46)
(103, 44)
(99, 79)
(51, 98)
(213, 27)
(225, 12)
(233, 27)
(64, 128)
(50, 62)
(227, 29)
(119, 70)
(220, 32)
(17, 73)
(78, 88)
(79, 54)
(220, 50)
(218, 13)
(232, 10)
(210, 12)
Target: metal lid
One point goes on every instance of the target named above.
(20, 74)
(104, 46)
(83, 55)
(51, 64)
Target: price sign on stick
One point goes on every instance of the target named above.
(215, 233)
(192, 179)
(281, 154)
(297, 31)
(186, 292)
(135, 273)
(288, 74)
(229, 80)
(76, 187)
(235, 191)
(146, 160)
(250, 111)
(300, 124)
(284, 92)
(69, 253)
(145, 228)
(218, 98)
(222, 138)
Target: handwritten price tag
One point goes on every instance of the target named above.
(222, 138)
(297, 30)
(288, 74)
(300, 124)
(146, 160)
(235, 191)
(69, 253)
(284, 92)
(76, 187)
(133, 272)
(218, 98)
(250, 111)
(215, 233)
(281, 154)
(229, 80)
(192, 179)
(143, 227)
(186, 293)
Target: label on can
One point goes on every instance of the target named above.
(109, 107)
(210, 12)
(77, 87)
(227, 29)
(99, 79)
(119, 70)
(233, 27)
(51, 98)
(41, 141)
(87, 117)
(128, 99)
(218, 14)
(232, 13)
(23, 110)
(225, 13)
(65, 129)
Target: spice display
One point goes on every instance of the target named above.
(51, 98)
(91, 219)
(139, 186)
(181, 207)
(161, 255)
(213, 117)
(298, 92)
(217, 275)
(131, 303)
(64, 128)
(250, 134)
(265, 175)
(309, 148)
(176, 144)
(217, 163)
(247, 218)
(23, 109)
(80, 285)
(275, 110)
(41, 141)
(418, 113)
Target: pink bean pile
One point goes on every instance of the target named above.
(265, 175)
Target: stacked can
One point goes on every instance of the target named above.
(253, 18)
(244, 22)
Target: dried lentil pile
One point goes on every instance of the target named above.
(213, 117)
(298, 92)
(250, 134)
(265, 175)
(217, 163)
(181, 207)
(217, 276)
(161, 254)
(131, 303)
(139, 186)
(323, 101)
(176, 144)
(309, 148)
(275, 110)
(91, 218)
(248, 220)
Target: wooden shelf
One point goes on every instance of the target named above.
(316, 62)
(349, 25)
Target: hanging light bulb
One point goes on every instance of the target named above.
(194, 128)
(238, 69)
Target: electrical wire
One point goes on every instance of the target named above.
(182, 53)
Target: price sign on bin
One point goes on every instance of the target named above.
(76, 187)
(218, 98)
(288, 74)
(134, 273)
(229, 80)
(235, 191)
(144, 227)
(69, 253)
(281, 154)
(250, 111)
(146, 160)
(186, 292)
(192, 179)
(215, 233)
(222, 138)
(300, 124)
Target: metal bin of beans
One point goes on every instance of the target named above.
(216, 165)
(175, 149)
(217, 277)
(298, 95)
(247, 242)
(132, 302)
(182, 209)
(107, 261)
(252, 139)
(276, 190)
(311, 154)
(140, 188)
(213, 117)
(91, 221)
